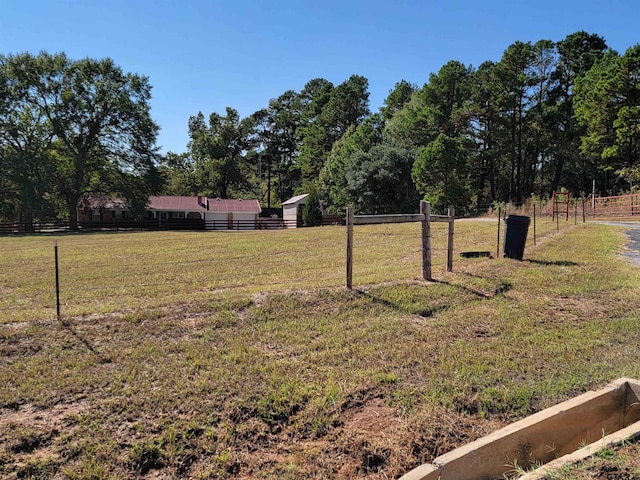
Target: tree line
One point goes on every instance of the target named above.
(546, 115)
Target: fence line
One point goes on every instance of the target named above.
(261, 223)
(538, 212)
(174, 271)
(424, 217)
(617, 206)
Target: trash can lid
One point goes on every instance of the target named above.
(517, 220)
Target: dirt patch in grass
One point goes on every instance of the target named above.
(30, 437)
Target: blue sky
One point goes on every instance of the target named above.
(205, 55)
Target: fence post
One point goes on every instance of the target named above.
(451, 213)
(425, 209)
(534, 223)
(55, 250)
(498, 243)
(349, 247)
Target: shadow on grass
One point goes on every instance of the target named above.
(545, 263)
(69, 328)
(502, 287)
(430, 312)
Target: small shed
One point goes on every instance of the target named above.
(292, 210)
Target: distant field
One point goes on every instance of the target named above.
(113, 272)
(240, 354)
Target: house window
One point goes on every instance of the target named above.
(113, 214)
(179, 215)
(123, 214)
(95, 215)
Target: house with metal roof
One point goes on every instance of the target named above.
(217, 213)
(227, 214)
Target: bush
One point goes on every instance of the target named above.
(311, 214)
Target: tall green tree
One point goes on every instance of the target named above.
(25, 139)
(540, 134)
(379, 181)
(347, 105)
(446, 98)
(487, 130)
(99, 118)
(332, 179)
(219, 150)
(607, 104)
(512, 73)
(578, 52)
(313, 133)
(441, 174)
(398, 97)
(276, 131)
(440, 106)
(179, 172)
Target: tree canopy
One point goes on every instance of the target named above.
(547, 114)
(69, 128)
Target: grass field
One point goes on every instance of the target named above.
(240, 355)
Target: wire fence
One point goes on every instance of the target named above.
(102, 273)
(124, 225)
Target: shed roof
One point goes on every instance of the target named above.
(296, 199)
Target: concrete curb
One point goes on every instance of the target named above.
(610, 441)
(555, 432)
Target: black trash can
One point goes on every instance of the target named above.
(515, 235)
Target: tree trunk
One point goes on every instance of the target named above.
(26, 218)
(512, 157)
(558, 173)
(519, 167)
(72, 205)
